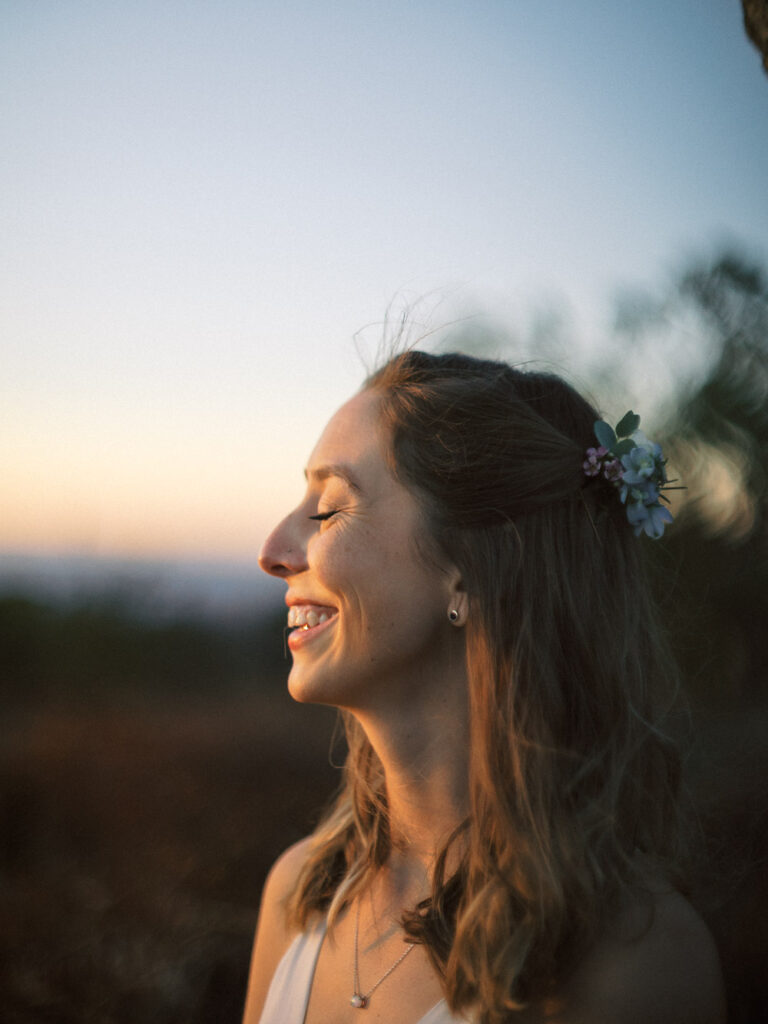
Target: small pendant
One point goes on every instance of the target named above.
(358, 1001)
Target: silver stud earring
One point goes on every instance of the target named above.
(453, 615)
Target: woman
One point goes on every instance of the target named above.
(465, 586)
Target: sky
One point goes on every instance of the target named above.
(208, 209)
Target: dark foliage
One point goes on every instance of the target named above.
(102, 648)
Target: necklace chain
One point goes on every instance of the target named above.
(359, 999)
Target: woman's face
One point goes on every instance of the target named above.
(371, 614)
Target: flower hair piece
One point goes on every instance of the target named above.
(635, 466)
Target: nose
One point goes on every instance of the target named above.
(283, 553)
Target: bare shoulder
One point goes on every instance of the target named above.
(272, 933)
(658, 963)
(284, 873)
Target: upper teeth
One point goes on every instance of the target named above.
(306, 617)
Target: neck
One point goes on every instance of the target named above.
(424, 754)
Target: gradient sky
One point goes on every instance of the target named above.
(203, 202)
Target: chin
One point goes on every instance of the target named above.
(302, 694)
(336, 689)
(311, 688)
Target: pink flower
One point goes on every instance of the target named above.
(613, 470)
(593, 461)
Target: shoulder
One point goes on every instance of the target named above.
(284, 873)
(273, 935)
(278, 887)
(658, 962)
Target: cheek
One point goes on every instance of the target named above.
(378, 577)
(348, 555)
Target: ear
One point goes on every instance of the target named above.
(458, 599)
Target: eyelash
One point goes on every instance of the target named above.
(322, 516)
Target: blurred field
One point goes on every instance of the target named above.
(135, 832)
(137, 819)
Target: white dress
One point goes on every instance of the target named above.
(288, 995)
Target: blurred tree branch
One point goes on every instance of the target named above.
(756, 25)
(717, 438)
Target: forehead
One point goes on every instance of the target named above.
(353, 438)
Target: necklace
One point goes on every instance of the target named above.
(360, 1000)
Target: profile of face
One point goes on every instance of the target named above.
(370, 611)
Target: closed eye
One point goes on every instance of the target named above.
(322, 516)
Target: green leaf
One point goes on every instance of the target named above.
(628, 424)
(605, 434)
(624, 446)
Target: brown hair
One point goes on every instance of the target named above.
(572, 784)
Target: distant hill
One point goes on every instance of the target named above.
(156, 588)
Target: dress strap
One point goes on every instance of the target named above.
(288, 995)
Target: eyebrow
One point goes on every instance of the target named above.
(337, 469)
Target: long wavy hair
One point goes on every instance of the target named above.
(572, 782)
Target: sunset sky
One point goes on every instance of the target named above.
(203, 203)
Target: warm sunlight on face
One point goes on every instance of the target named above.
(371, 613)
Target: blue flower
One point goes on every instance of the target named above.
(643, 474)
(635, 466)
(648, 519)
(645, 491)
(641, 463)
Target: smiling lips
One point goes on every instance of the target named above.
(308, 616)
